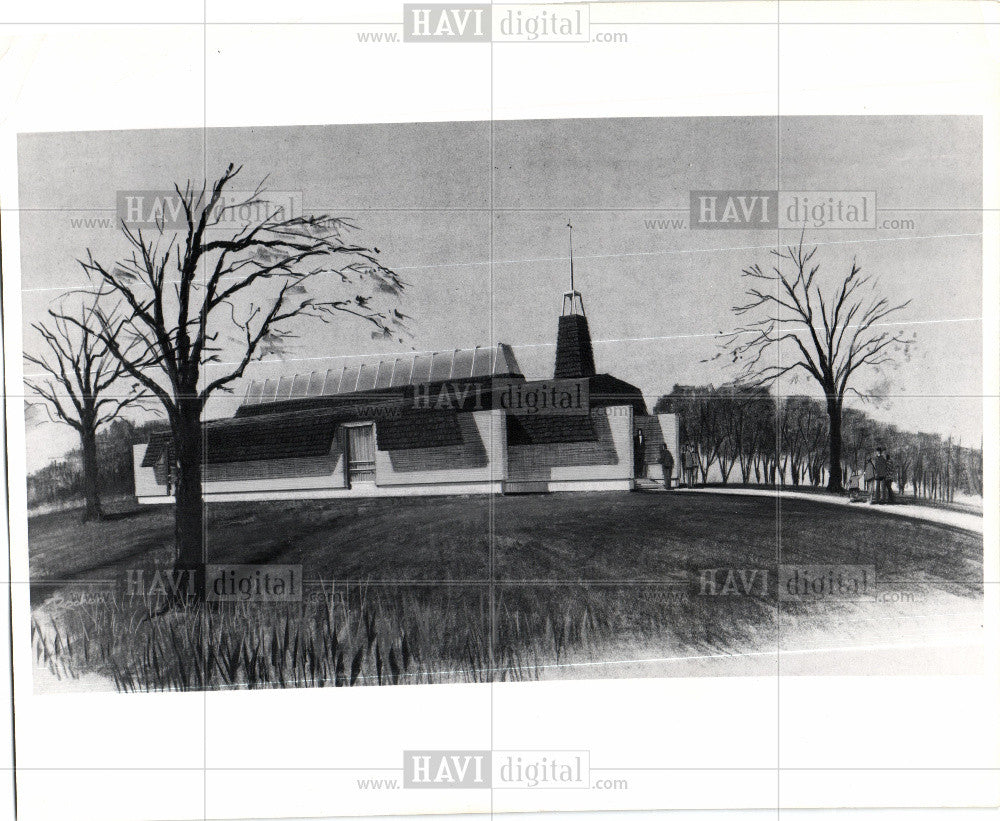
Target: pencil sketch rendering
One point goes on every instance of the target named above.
(470, 402)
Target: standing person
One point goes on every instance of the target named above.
(689, 464)
(890, 474)
(667, 463)
(640, 454)
(870, 479)
(881, 466)
(854, 484)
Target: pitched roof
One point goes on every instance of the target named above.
(384, 374)
(376, 403)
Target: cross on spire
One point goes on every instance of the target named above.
(572, 301)
(572, 285)
(574, 351)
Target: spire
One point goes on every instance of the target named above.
(573, 299)
(574, 351)
(572, 284)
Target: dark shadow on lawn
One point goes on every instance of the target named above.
(128, 513)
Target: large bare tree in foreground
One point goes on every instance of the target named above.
(82, 385)
(199, 303)
(829, 334)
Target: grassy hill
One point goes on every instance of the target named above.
(400, 589)
(572, 536)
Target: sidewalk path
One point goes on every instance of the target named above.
(954, 518)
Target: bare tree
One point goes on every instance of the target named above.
(803, 327)
(205, 300)
(750, 415)
(83, 385)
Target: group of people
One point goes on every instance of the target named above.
(874, 480)
(689, 465)
(689, 461)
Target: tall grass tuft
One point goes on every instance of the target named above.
(376, 635)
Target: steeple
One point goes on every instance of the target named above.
(574, 352)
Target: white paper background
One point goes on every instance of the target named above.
(235, 755)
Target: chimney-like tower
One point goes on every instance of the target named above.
(574, 352)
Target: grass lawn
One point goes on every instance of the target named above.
(401, 586)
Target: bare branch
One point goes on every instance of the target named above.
(253, 282)
(831, 342)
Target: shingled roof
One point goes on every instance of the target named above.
(159, 443)
(419, 429)
(293, 435)
(574, 352)
(299, 428)
(607, 390)
(549, 430)
(301, 434)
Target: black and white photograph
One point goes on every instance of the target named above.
(282, 443)
(446, 409)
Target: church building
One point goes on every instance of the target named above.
(448, 422)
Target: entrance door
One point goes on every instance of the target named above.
(360, 453)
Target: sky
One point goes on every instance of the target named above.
(473, 216)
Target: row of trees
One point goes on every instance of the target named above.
(746, 434)
(65, 481)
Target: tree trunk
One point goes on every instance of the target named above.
(91, 485)
(833, 409)
(726, 468)
(189, 511)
